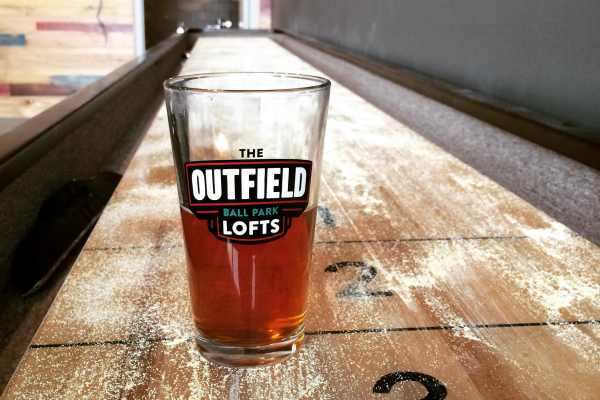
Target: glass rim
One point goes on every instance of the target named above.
(177, 83)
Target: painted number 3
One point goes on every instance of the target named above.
(435, 389)
(366, 273)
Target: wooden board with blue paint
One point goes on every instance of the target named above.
(52, 48)
(8, 39)
(428, 279)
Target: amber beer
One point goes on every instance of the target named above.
(247, 149)
(248, 294)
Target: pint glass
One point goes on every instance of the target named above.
(247, 149)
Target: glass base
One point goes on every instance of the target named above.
(249, 356)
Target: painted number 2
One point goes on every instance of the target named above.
(435, 389)
(366, 273)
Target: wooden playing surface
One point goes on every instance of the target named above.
(461, 280)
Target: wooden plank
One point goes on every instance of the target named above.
(502, 363)
(22, 106)
(113, 42)
(26, 5)
(17, 9)
(25, 66)
(58, 373)
(28, 24)
(449, 283)
(7, 39)
(138, 293)
(69, 26)
(142, 292)
(74, 55)
(60, 85)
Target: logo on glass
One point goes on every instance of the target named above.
(248, 201)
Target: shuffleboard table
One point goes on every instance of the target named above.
(461, 289)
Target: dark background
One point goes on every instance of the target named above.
(163, 17)
(543, 55)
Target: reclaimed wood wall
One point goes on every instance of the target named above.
(51, 48)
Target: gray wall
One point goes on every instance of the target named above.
(543, 55)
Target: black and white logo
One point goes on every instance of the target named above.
(248, 201)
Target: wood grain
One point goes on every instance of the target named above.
(467, 282)
(497, 364)
(29, 23)
(119, 43)
(43, 63)
(24, 106)
(57, 8)
(61, 38)
(7, 39)
(141, 292)
(69, 373)
(71, 26)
